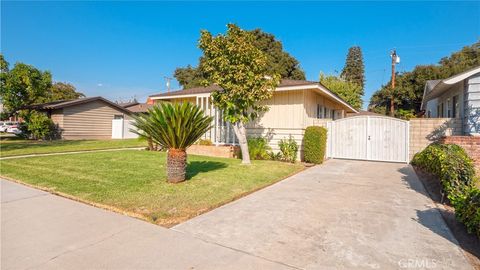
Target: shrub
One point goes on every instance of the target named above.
(315, 144)
(39, 126)
(205, 142)
(467, 210)
(451, 164)
(456, 172)
(289, 149)
(275, 156)
(258, 148)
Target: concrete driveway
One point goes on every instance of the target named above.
(341, 215)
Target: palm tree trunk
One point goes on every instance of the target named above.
(241, 133)
(150, 144)
(176, 165)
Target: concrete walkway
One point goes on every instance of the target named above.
(341, 215)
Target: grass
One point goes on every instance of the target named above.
(15, 147)
(134, 181)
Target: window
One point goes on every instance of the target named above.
(441, 110)
(449, 108)
(320, 114)
(438, 111)
(429, 114)
(118, 116)
(455, 107)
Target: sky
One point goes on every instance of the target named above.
(121, 50)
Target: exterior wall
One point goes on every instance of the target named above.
(57, 117)
(424, 131)
(214, 151)
(447, 98)
(92, 120)
(311, 100)
(471, 144)
(472, 106)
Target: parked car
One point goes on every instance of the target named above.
(5, 125)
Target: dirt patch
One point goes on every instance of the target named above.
(468, 242)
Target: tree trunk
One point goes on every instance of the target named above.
(241, 133)
(176, 165)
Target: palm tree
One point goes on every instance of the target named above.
(174, 127)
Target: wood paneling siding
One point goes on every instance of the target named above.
(92, 120)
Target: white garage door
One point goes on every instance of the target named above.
(369, 138)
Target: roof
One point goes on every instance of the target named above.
(68, 103)
(140, 107)
(128, 104)
(435, 88)
(365, 113)
(285, 84)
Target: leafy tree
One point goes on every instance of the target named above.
(63, 91)
(409, 86)
(354, 69)
(348, 91)
(174, 127)
(278, 61)
(233, 62)
(22, 86)
(39, 126)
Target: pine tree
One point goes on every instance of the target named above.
(354, 70)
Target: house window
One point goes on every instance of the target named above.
(455, 107)
(441, 110)
(429, 114)
(449, 108)
(320, 114)
(438, 110)
(118, 116)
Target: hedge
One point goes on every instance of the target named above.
(451, 164)
(315, 144)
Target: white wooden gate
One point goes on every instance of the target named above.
(368, 138)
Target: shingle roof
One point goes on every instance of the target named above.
(67, 103)
(140, 107)
(211, 88)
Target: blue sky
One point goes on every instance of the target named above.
(123, 49)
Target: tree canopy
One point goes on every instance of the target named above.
(234, 62)
(354, 69)
(63, 91)
(409, 86)
(348, 91)
(278, 61)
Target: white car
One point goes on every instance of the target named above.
(5, 125)
(13, 127)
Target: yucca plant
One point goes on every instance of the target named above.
(174, 127)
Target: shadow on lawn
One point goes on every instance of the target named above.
(196, 167)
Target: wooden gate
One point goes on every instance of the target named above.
(368, 138)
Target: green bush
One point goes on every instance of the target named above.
(205, 142)
(258, 148)
(39, 126)
(456, 172)
(451, 164)
(467, 210)
(289, 149)
(315, 144)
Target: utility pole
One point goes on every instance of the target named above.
(168, 82)
(395, 60)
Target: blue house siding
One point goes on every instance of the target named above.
(472, 105)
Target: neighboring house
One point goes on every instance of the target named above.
(294, 106)
(84, 118)
(136, 107)
(455, 97)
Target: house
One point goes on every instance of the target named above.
(295, 105)
(84, 118)
(455, 97)
(136, 107)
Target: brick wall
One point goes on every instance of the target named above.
(471, 144)
(424, 131)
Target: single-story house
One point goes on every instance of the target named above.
(136, 107)
(295, 105)
(84, 118)
(455, 97)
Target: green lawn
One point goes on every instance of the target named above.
(25, 147)
(135, 181)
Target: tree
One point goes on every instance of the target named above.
(174, 127)
(348, 91)
(354, 69)
(22, 86)
(234, 63)
(63, 91)
(278, 61)
(409, 86)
